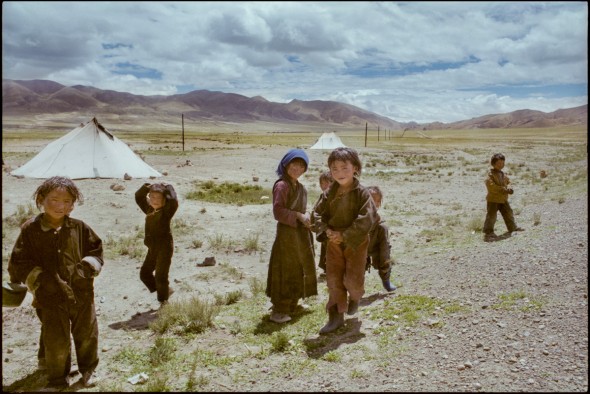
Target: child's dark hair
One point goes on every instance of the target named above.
(57, 182)
(375, 190)
(158, 188)
(496, 157)
(346, 154)
(326, 176)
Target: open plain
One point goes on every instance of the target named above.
(510, 315)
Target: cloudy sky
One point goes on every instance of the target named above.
(409, 61)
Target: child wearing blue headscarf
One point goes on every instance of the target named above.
(291, 270)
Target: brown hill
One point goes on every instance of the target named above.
(519, 119)
(41, 96)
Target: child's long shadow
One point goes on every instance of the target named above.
(139, 321)
(374, 297)
(502, 237)
(350, 332)
(32, 382)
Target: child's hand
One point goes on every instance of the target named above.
(304, 218)
(334, 236)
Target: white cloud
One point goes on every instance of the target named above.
(412, 61)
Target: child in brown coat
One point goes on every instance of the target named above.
(347, 212)
(497, 184)
(291, 269)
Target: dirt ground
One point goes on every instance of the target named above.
(431, 193)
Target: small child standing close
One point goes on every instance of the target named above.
(159, 202)
(347, 211)
(497, 184)
(325, 182)
(291, 270)
(379, 250)
(58, 258)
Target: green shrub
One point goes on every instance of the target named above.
(186, 316)
(279, 341)
(162, 351)
(229, 193)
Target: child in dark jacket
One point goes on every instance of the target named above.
(346, 213)
(159, 202)
(325, 182)
(58, 257)
(379, 250)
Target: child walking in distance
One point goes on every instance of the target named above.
(379, 249)
(347, 211)
(58, 257)
(497, 184)
(325, 182)
(291, 270)
(159, 203)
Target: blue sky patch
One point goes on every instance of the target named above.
(117, 45)
(137, 71)
(548, 91)
(375, 70)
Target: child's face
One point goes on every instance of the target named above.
(499, 164)
(343, 172)
(295, 169)
(57, 204)
(376, 200)
(324, 184)
(156, 200)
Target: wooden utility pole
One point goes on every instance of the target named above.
(183, 132)
(377, 133)
(366, 124)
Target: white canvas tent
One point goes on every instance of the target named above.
(88, 151)
(328, 141)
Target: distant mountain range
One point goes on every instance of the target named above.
(48, 97)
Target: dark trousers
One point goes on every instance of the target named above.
(382, 265)
(41, 351)
(322, 263)
(158, 260)
(492, 214)
(56, 326)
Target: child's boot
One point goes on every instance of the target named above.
(336, 320)
(353, 307)
(388, 285)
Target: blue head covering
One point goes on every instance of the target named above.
(292, 154)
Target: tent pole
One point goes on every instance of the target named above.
(182, 132)
(366, 124)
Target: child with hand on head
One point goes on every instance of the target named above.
(497, 184)
(325, 182)
(58, 257)
(291, 270)
(379, 247)
(159, 202)
(347, 211)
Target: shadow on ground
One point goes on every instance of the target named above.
(350, 332)
(139, 321)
